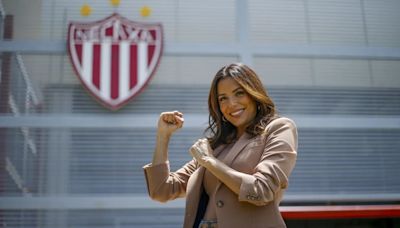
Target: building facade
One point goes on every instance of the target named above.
(67, 161)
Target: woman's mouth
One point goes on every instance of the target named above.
(237, 113)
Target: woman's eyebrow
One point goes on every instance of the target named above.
(221, 94)
(238, 88)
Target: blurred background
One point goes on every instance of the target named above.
(333, 66)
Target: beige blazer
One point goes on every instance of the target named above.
(268, 159)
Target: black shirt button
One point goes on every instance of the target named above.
(220, 203)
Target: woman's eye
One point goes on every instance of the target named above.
(240, 93)
(222, 99)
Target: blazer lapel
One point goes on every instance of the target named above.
(235, 151)
(237, 148)
(218, 150)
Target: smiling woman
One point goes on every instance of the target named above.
(236, 88)
(239, 173)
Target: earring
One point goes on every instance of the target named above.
(223, 119)
(258, 107)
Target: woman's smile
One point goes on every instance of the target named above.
(237, 113)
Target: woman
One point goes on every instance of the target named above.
(238, 175)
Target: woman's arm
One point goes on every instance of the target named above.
(271, 173)
(202, 152)
(160, 155)
(162, 184)
(168, 123)
(230, 177)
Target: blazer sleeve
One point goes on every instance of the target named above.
(277, 162)
(163, 185)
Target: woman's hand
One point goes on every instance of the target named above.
(169, 122)
(202, 152)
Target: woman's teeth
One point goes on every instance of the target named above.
(237, 113)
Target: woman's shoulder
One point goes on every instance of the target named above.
(280, 122)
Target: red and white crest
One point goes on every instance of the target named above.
(114, 58)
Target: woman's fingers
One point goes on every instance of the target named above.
(201, 150)
(202, 147)
(172, 117)
(196, 151)
(169, 122)
(169, 118)
(179, 121)
(178, 113)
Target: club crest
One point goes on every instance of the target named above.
(114, 58)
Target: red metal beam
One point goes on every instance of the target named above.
(340, 212)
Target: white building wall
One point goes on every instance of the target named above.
(288, 23)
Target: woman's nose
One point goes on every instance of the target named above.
(232, 101)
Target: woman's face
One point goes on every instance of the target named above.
(235, 104)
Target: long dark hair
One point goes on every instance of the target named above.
(222, 132)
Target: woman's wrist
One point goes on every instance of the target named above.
(163, 137)
(210, 163)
